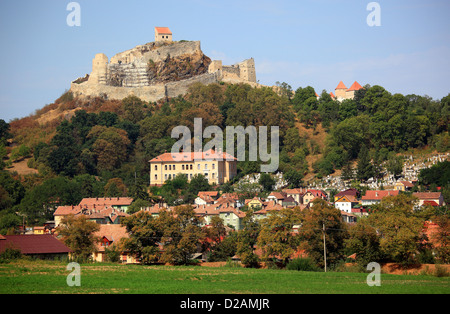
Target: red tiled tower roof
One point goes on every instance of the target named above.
(163, 30)
(355, 86)
(341, 86)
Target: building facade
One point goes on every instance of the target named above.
(163, 34)
(218, 168)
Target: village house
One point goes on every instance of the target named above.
(349, 192)
(429, 198)
(375, 196)
(403, 186)
(310, 195)
(232, 217)
(277, 197)
(296, 194)
(348, 217)
(99, 214)
(120, 203)
(254, 203)
(110, 236)
(206, 197)
(42, 246)
(218, 168)
(345, 203)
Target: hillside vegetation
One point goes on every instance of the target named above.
(84, 144)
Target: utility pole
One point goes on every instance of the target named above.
(324, 248)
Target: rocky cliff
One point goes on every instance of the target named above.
(155, 70)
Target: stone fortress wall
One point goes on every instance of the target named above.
(126, 73)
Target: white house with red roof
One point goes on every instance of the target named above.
(375, 196)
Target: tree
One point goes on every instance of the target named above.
(400, 227)
(110, 146)
(311, 233)
(145, 234)
(441, 238)
(293, 177)
(276, 238)
(182, 235)
(78, 234)
(246, 239)
(364, 241)
(364, 167)
(395, 165)
(267, 182)
(214, 234)
(115, 188)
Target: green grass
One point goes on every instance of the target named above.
(28, 277)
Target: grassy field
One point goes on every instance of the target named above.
(25, 277)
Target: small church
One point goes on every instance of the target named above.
(163, 34)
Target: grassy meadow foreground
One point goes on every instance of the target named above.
(25, 277)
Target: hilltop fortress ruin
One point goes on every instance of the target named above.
(159, 69)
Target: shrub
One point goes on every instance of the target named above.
(302, 264)
(10, 254)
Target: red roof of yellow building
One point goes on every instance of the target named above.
(341, 86)
(355, 86)
(207, 155)
(163, 30)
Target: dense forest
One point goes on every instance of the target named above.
(100, 147)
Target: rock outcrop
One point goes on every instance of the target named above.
(157, 70)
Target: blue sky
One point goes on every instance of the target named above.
(302, 42)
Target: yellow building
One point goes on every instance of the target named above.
(163, 34)
(218, 168)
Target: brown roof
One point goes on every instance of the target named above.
(184, 157)
(352, 192)
(112, 232)
(34, 244)
(427, 195)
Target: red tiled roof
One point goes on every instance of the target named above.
(378, 195)
(67, 210)
(431, 203)
(355, 86)
(207, 155)
(341, 86)
(427, 195)
(317, 193)
(112, 232)
(34, 244)
(106, 201)
(163, 30)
